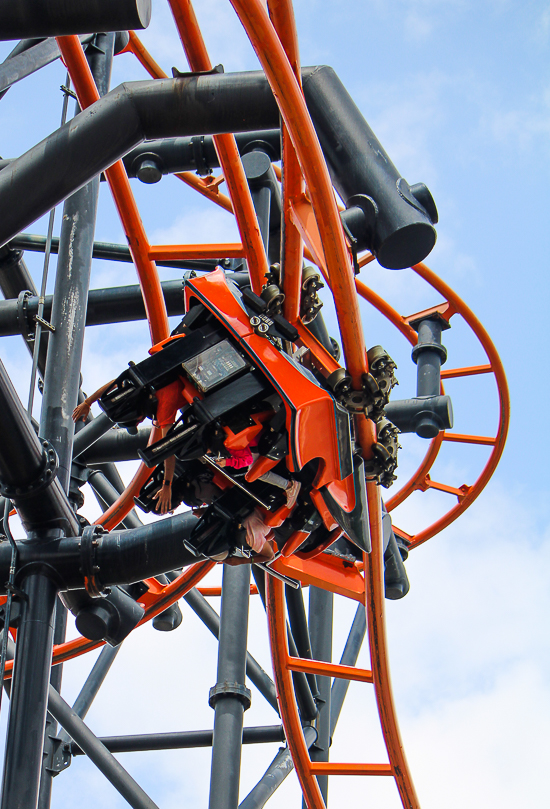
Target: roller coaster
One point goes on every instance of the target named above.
(277, 444)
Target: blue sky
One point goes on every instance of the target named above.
(459, 95)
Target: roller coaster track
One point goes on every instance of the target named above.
(312, 227)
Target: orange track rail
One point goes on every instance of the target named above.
(316, 223)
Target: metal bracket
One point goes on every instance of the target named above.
(65, 90)
(88, 549)
(44, 323)
(60, 756)
(23, 321)
(43, 479)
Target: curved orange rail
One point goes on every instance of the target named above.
(275, 42)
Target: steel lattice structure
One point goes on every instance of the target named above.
(285, 140)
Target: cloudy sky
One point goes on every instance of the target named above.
(459, 94)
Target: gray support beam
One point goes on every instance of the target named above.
(93, 683)
(106, 495)
(349, 658)
(29, 694)
(254, 671)
(116, 445)
(27, 18)
(320, 631)
(65, 345)
(271, 780)
(187, 739)
(229, 696)
(97, 753)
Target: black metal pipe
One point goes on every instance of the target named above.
(122, 556)
(93, 683)
(90, 433)
(230, 697)
(254, 671)
(349, 658)
(26, 18)
(182, 740)
(425, 416)
(17, 285)
(108, 252)
(320, 631)
(29, 695)
(171, 155)
(109, 305)
(97, 753)
(27, 469)
(280, 767)
(14, 275)
(30, 60)
(300, 631)
(116, 445)
(133, 112)
(392, 218)
(107, 494)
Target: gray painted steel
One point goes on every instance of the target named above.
(27, 18)
(98, 753)
(229, 708)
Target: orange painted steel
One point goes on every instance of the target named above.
(453, 304)
(154, 604)
(329, 669)
(374, 586)
(470, 439)
(459, 492)
(227, 151)
(168, 252)
(136, 46)
(292, 106)
(336, 768)
(282, 16)
(285, 694)
(453, 373)
(87, 93)
(208, 190)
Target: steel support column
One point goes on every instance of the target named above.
(229, 696)
(29, 696)
(320, 632)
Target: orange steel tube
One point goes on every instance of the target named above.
(166, 252)
(285, 694)
(87, 93)
(453, 373)
(282, 16)
(227, 150)
(374, 579)
(335, 768)
(142, 54)
(329, 669)
(470, 439)
(293, 109)
(210, 192)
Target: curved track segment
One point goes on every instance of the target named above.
(311, 227)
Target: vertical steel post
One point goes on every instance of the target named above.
(320, 632)
(65, 344)
(230, 697)
(29, 696)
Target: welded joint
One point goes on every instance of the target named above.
(43, 479)
(226, 689)
(89, 544)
